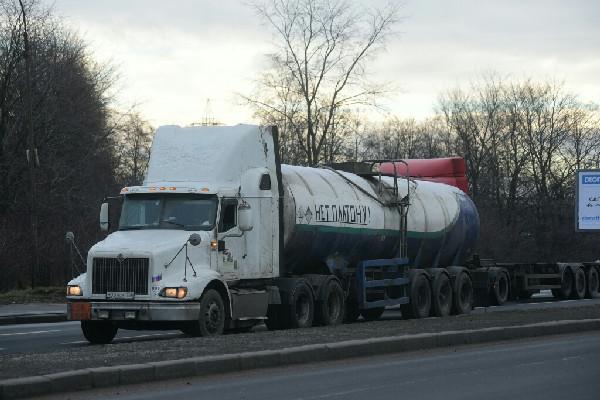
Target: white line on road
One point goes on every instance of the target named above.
(29, 333)
(129, 337)
(77, 342)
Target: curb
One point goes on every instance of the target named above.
(32, 318)
(203, 366)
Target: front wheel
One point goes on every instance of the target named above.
(99, 332)
(211, 320)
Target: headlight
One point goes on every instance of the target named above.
(174, 292)
(74, 290)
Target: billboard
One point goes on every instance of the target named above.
(587, 208)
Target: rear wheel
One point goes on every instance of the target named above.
(420, 298)
(463, 294)
(442, 296)
(99, 332)
(566, 286)
(371, 314)
(302, 307)
(330, 310)
(592, 283)
(500, 290)
(579, 284)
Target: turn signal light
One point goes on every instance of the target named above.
(74, 290)
(214, 245)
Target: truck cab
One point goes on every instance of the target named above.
(204, 222)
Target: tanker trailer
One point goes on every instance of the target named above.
(335, 220)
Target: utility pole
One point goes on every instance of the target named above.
(31, 152)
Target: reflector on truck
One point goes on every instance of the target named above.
(79, 311)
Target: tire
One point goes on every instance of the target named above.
(330, 310)
(593, 283)
(301, 309)
(579, 284)
(211, 320)
(420, 298)
(566, 288)
(499, 293)
(99, 332)
(463, 294)
(441, 300)
(372, 314)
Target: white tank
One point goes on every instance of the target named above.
(334, 219)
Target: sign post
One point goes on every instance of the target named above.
(587, 207)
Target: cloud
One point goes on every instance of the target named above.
(173, 55)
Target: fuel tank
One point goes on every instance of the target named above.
(334, 219)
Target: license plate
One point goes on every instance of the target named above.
(119, 295)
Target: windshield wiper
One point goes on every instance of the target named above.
(173, 222)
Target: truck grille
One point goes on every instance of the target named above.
(125, 275)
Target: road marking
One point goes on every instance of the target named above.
(29, 333)
(149, 335)
(128, 337)
(76, 342)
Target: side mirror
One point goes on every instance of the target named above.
(244, 217)
(195, 239)
(104, 224)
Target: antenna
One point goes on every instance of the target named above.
(208, 119)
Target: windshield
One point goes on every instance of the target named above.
(168, 211)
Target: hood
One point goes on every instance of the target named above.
(150, 241)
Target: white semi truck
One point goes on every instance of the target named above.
(222, 236)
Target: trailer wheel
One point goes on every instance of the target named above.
(99, 332)
(420, 298)
(579, 284)
(592, 283)
(211, 320)
(566, 286)
(442, 296)
(330, 311)
(302, 307)
(463, 294)
(500, 290)
(371, 314)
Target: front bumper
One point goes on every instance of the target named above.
(132, 311)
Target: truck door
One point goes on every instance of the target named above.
(230, 251)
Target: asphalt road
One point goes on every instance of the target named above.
(559, 367)
(48, 337)
(41, 338)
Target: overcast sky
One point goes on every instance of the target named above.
(174, 55)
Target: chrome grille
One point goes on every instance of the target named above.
(120, 275)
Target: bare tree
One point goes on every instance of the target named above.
(65, 131)
(322, 54)
(133, 141)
